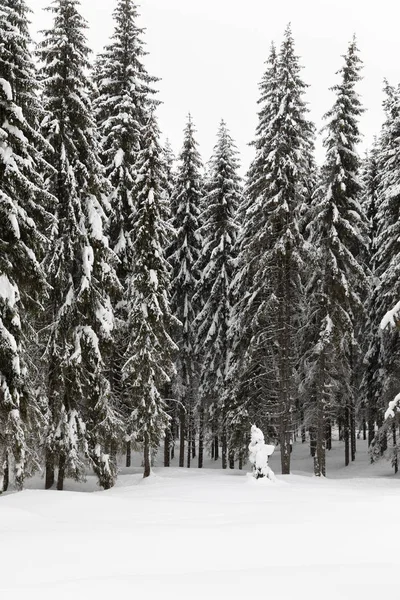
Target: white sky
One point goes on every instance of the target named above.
(210, 56)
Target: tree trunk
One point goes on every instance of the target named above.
(395, 461)
(240, 462)
(146, 457)
(303, 435)
(313, 441)
(353, 435)
(216, 448)
(128, 453)
(50, 476)
(182, 418)
(61, 473)
(231, 460)
(328, 430)
(6, 476)
(364, 429)
(371, 422)
(224, 444)
(201, 437)
(167, 446)
(346, 436)
(320, 454)
(285, 451)
(193, 443)
(189, 440)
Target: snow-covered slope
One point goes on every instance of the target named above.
(204, 534)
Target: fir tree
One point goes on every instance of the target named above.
(184, 255)
(370, 201)
(338, 230)
(383, 368)
(121, 107)
(148, 360)
(80, 265)
(249, 369)
(218, 232)
(23, 218)
(271, 246)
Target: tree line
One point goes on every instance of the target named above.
(148, 300)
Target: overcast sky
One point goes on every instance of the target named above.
(210, 56)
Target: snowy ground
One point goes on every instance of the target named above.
(207, 534)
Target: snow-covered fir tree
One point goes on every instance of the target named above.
(184, 255)
(271, 245)
(149, 357)
(337, 289)
(259, 453)
(218, 232)
(23, 218)
(80, 264)
(172, 406)
(369, 394)
(384, 349)
(248, 375)
(121, 106)
(123, 94)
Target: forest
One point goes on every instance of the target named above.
(150, 301)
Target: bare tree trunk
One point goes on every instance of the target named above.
(313, 441)
(6, 475)
(128, 453)
(189, 439)
(61, 473)
(216, 448)
(371, 422)
(201, 437)
(182, 419)
(167, 447)
(285, 453)
(346, 436)
(353, 435)
(193, 442)
(146, 457)
(395, 461)
(50, 475)
(231, 460)
(328, 430)
(320, 454)
(224, 444)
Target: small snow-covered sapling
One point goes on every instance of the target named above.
(259, 452)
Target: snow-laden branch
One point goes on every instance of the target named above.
(392, 317)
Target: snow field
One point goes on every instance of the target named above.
(204, 534)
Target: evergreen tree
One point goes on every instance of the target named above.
(184, 255)
(23, 217)
(80, 265)
(148, 360)
(121, 107)
(250, 366)
(271, 247)
(218, 232)
(172, 408)
(370, 201)
(338, 231)
(384, 350)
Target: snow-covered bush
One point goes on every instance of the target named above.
(259, 452)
